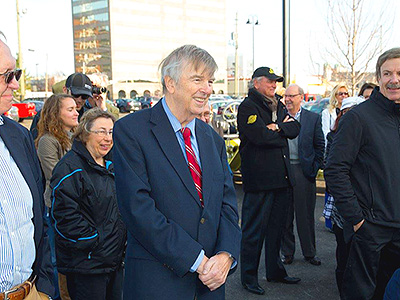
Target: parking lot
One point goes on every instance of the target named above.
(316, 281)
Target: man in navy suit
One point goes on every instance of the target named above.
(306, 157)
(175, 190)
(24, 253)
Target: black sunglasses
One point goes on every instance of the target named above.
(84, 97)
(9, 76)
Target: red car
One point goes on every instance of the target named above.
(25, 110)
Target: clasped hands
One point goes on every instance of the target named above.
(214, 270)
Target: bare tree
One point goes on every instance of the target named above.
(358, 34)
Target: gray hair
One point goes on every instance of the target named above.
(251, 82)
(173, 64)
(389, 54)
(300, 89)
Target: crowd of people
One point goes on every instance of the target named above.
(91, 208)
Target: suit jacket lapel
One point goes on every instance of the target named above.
(15, 146)
(170, 146)
(303, 123)
(203, 139)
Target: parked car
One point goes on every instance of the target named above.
(38, 103)
(12, 113)
(220, 97)
(146, 102)
(25, 110)
(128, 105)
(316, 106)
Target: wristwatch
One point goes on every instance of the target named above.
(277, 127)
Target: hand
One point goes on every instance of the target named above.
(100, 101)
(288, 119)
(43, 296)
(272, 126)
(357, 226)
(216, 270)
(200, 268)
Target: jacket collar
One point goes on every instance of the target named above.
(169, 145)
(79, 148)
(257, 97)
(384, 102)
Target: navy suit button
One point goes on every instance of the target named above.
(202, 220)
(284, 156)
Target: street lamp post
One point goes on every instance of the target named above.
(46, 74)
(20, 56)
(253, 20)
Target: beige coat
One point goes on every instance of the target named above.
(49, 152)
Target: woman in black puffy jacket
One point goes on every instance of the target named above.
(90, 235)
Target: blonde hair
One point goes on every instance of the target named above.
(333, 102)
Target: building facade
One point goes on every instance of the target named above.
(127, 39)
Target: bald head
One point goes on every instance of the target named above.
(293, 96)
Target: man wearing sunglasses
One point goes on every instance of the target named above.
(80, 87)
(24, 253)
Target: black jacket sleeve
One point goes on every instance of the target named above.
(68, 187)
(342, 154)
(254, 128)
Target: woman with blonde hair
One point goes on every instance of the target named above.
(330, 113)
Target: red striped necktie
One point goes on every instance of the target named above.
(194, 167)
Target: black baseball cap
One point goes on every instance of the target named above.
(79, 84)
(266, 72)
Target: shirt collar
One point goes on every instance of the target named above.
(297, 115)
(176, 125)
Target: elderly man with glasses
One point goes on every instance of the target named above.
(306, 154)
(24, 250)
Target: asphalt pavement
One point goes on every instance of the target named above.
(317, 282)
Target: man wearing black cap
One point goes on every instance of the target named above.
(80, 87)
(264, 127)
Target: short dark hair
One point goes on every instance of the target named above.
(389, 54)
(366, 86)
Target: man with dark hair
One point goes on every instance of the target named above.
(264, 128)
(362, 172)
(25, 262)
(175, 190)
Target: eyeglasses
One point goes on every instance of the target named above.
(84, 97)
(343, 94)
(102, 132)
(9, 76)
(291, 96)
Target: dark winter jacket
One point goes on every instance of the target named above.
(363, 167)
(264, 153)
(90, 235)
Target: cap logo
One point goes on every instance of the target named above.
(88, 87)
(271, 71)
(251, 119)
